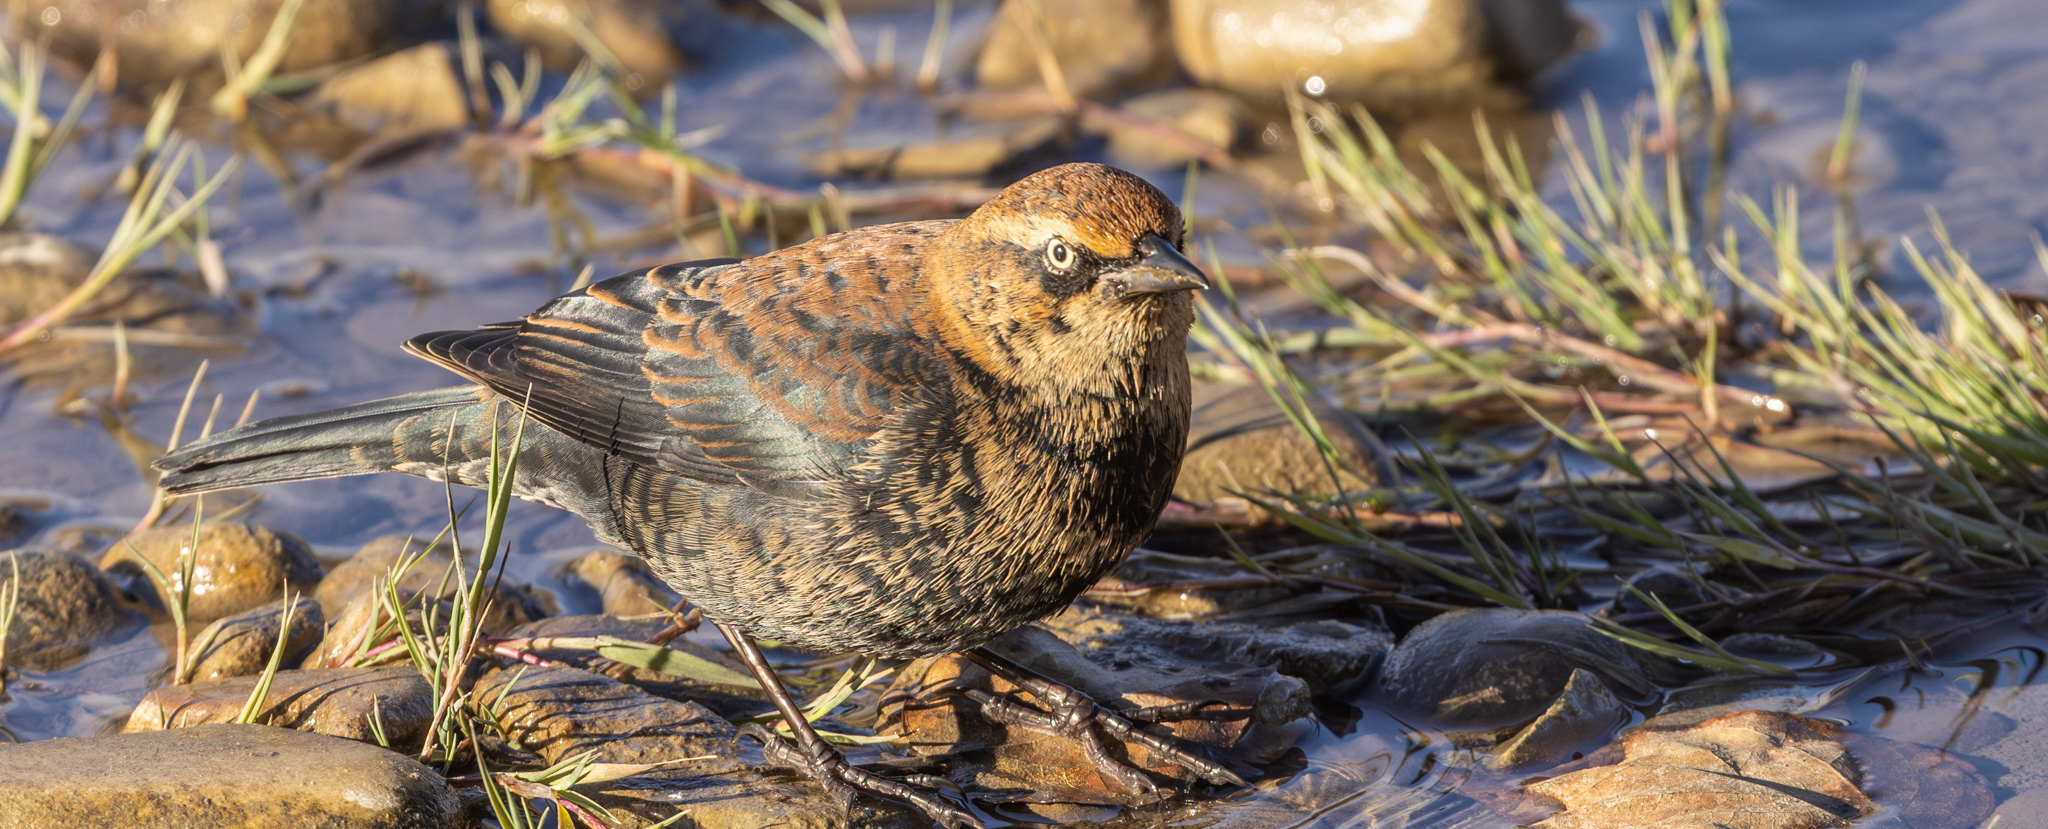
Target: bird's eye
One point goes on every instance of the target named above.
(1059, 256)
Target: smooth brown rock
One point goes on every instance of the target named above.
(366, 571)
(411, 90)
(157, 41)
(1381, 53)
(635, 31)
(1242, 442)
(560, 712)
(1210, 117)
(1102, 46)
(238, 567)
(624, 584)
(241, 645)
(972, 156)
(1323, 653)
(338, 702)
(238, 776)
(37, 270)
(927, 707)
(65, 606)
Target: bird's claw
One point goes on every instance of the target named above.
(1076, 716)
(843, 780)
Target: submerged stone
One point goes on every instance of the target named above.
(65, 606)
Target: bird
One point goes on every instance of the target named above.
(901, 440)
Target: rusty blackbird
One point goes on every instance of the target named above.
(901, 440)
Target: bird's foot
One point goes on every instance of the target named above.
(843, 780)
(1075, 716)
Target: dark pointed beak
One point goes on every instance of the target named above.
(1163, 270)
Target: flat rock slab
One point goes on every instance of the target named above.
(339, 702)
(223, 776)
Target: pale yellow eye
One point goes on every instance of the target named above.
(1059, 256)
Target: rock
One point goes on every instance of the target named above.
(561, 712)
(1243, 442)
(1211, 117)
(241, 645)
(365, 572)
(1102, 46)
(243, 776)
(635, 31)
(1484, 669)
(1387, 55)
(37, 270)
(65, 606)
(1584, 717)
(158, 41)
(1527, 37)
(973, 156)
(348, 644)
(338, 702)
(727, 701)
(238, 567)
(625, 585)
(927, 706)
(1324, 652)
(409, 91)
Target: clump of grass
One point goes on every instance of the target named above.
(252, 708)
(1626, 277)
(152, 215)
(35, 141)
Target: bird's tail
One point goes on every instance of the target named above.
(409, 433)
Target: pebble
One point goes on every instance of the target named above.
(241, 645)
(1102, 46)
(65, 606)
(238, 566)
(338, 702)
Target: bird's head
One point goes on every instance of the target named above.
(1072, 277)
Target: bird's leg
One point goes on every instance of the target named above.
(840, 778)
(1074, 715)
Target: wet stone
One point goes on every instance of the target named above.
(1102, 46)
(227, 776)
(1483, 669)
(1210, 117)
(238, 566)
(1402, 55)
(637, 32)
(623, 583)
(560, 712)
(65, 606)
(411, 90)
(1584, 716)
(1323, 652)
(1242, 442)
(366, 571)
(37, 270)
(241, 645)
(158, 41)
(927, 707)
(340, 702)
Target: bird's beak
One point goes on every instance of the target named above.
(1163, 270)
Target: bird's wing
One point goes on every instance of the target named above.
(729, 374)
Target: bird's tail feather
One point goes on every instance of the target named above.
(395, 433)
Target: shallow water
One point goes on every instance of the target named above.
(1953, 118)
